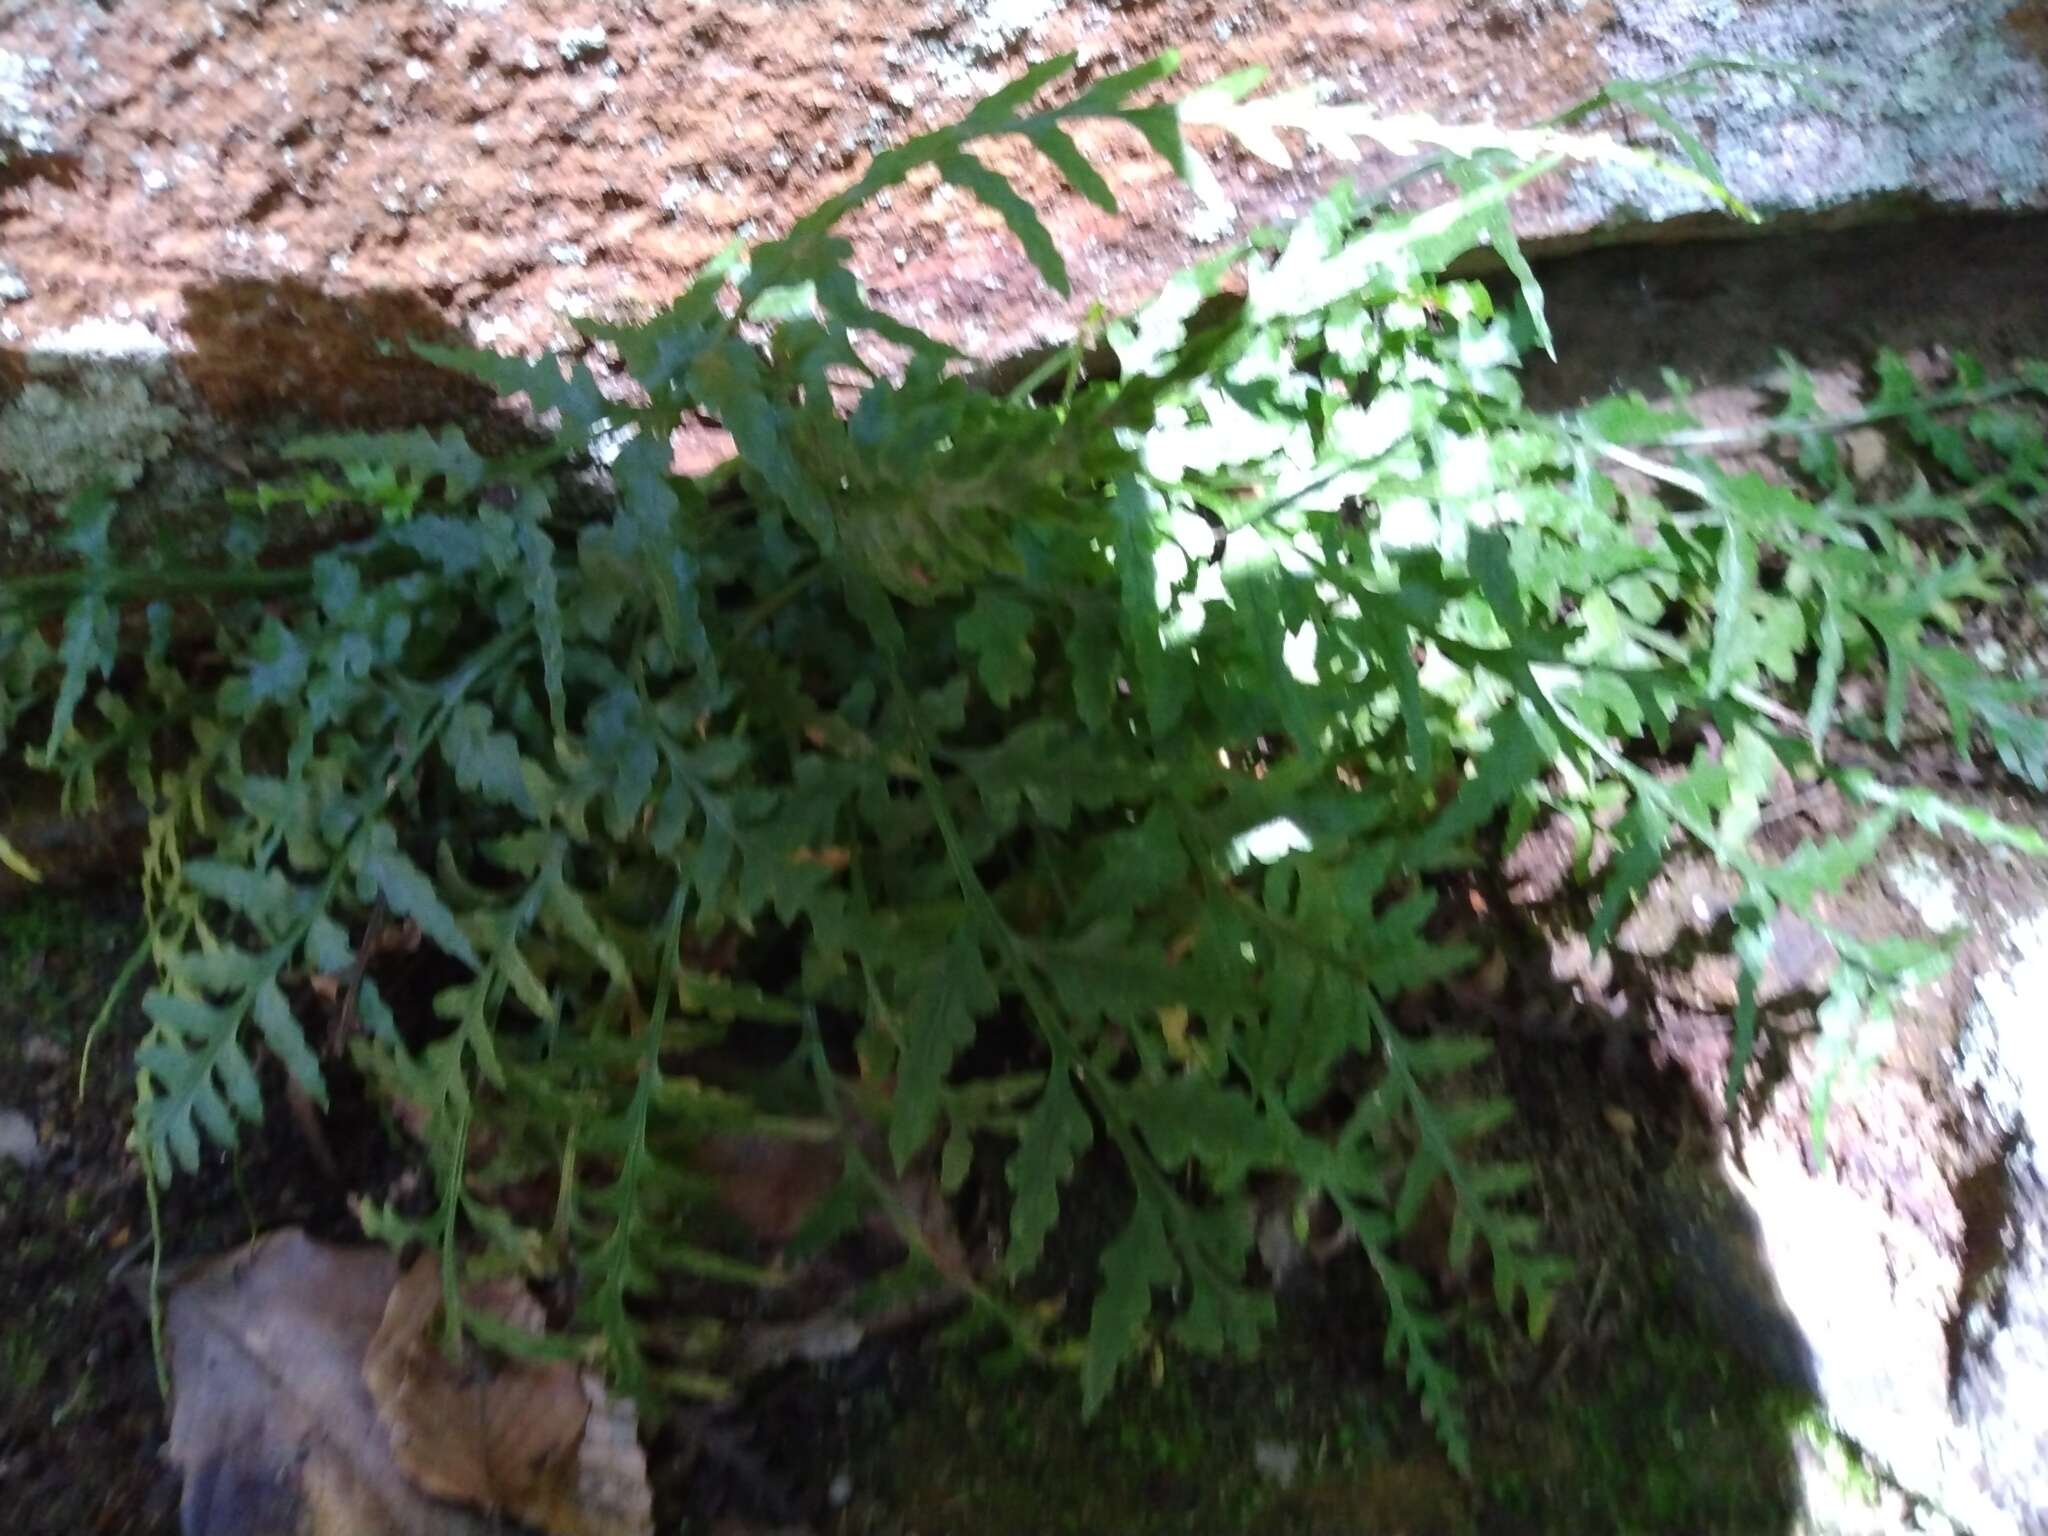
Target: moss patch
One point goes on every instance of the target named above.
(1672, 1432)
(1662, 1431)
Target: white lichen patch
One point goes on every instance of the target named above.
(578, 43)
(979, 35)
(1277, 1462)
(679, 194)
(2001, 1386)
(1936, 98)
(102, 340)
(18, 1143)
(1923, 885)
(1213, 218)
(995, 25)
(20, 127)
(2002, 1057)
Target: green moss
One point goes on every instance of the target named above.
(54, 953)
(1839, 1462)
(23, 1364)
(1014, 1456)
(34, 928)
(1175, 1450)
(1673, 1433)
(1662, 1430)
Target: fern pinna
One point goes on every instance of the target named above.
(999, 781)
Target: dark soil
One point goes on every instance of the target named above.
(82, 1421)
(81, 1397)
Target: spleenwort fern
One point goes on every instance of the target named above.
(1056, 776)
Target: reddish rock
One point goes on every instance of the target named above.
(278, 188)
(495, 163)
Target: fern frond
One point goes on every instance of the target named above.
(1084, 771)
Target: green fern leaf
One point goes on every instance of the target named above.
(996, 193)
(1137, 1263)
(939, 1026)
(1054, 1136)
(1752, 955)
(1641, 837)
(1505, 770)
(485, 761)
(574, 392)
(88, 646)
(191, 1041)
(566, 912)
(998, 111)
(392, 470)
(537, 557)
(727, 378)
(264, 897)
(1939, 815)
(1052, 142)
(408, 892)
(996, 631)
(281, 1032)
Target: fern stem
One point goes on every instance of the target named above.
(1393, 1047)
(125, 583)
(450, 1213)
(1753, 433)
(906, 1224)
(1652, 638)
(158, 1353)
(617, 1253)
(122, 980)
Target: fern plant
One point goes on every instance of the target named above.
(1056, 774)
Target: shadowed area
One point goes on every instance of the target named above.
(261, 348)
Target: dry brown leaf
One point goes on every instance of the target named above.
(915, 1197)
(275, 1427)
(771, 1184)
(272, 1425)
(834, 859)
(535, 1440)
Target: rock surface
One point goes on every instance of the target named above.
(2001, 1367)
(18, 1142)
(1904, 1279)
(290, 180)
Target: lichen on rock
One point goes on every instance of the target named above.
(20, 128)
(77, 425)
(1937, 102)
